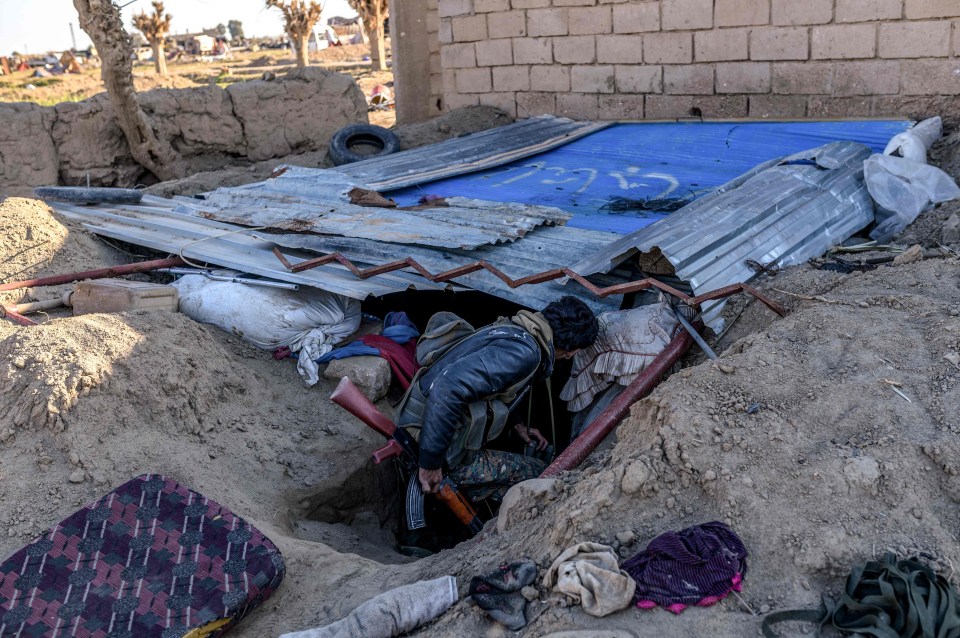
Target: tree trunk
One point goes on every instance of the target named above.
(301, 47)
(378, 43)
(159, 58)
(102, 22)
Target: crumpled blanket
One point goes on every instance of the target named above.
(498, 593)
(392, 613)
(590, 574)
(397, 345)
(699, 565)
(628, 342)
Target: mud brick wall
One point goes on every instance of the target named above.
(210, 127)
(665, 59)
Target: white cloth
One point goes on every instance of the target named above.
(627, 343)
(393, 613)
(590, 574)
(308, 321)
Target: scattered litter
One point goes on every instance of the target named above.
(910, 256)
(902, 189)
(499, 593)
(753, 408)
(844, 267)
(772, 268)
(895, 386)
(590, 574)
(624, 204)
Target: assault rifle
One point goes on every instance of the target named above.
(402, 445)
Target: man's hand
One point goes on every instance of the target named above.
(528, 434)
(430, 480)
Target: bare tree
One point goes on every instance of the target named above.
(373, 14)
(155, 29)
(299, 17)
(101, 20)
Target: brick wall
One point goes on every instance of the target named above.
(632, 59)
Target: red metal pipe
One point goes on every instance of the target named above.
(610, 418)
(16, 317)
(101, 273)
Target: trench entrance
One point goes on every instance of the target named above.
(363, 513)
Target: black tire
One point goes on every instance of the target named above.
(376, 136)
(81, 195)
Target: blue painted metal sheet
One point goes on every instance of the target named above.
(647, 161)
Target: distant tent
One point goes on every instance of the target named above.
(70, 63)
(4, 66)
(23, 66)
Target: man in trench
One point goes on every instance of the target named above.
(463, 400)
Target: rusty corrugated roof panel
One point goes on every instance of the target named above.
(542, 250)
(312, 200)
(154, 224)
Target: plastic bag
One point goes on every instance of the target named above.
(308, 321)
(914, 144)
(902, 189)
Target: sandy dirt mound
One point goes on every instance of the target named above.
(35, 241)
(833, 467)
(89, 402)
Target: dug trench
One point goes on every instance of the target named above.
(831, 468)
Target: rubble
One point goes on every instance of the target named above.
(371, 374)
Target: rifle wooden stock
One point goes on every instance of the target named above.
(457, 503)
(349, 397)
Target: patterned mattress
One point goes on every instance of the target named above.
(150, 559)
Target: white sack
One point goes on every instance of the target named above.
(308, 321)
(914, 144)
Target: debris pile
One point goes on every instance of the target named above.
(821, 440)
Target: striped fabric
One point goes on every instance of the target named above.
(699, 566)
(152, 559)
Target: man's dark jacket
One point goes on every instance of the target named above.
(485, 364)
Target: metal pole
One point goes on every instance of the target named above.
(73, 37)
(707, 350)
(643, 385)
(101, 273)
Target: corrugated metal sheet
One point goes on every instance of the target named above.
(618, 180)
(476, 152)
(312, 200)
(156, 225)
(544, 249)
(784, 212)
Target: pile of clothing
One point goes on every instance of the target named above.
(397, 344)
